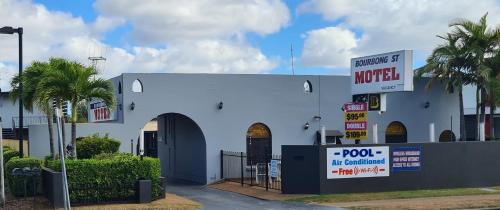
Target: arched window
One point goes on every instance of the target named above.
(119, 87)
(308, 87)
(137, 86)
(396, 133)
(259, 143)
(447, 136)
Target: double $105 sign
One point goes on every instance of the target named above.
(356, 121)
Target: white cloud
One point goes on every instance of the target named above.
(328, 47)
(201, 36)
(172, 20)
(396, 24)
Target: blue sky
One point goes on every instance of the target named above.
(219, 36)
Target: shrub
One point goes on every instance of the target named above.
(93, 145)
(111, 177)
(5, 148)
(16, 184)
(7, 155)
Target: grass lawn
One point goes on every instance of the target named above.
(171, 202)
(351, 197)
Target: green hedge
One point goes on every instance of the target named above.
(89, 146)
(108, 179)
(8, 154)
(16, 184)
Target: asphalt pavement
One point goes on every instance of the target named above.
(213, 199)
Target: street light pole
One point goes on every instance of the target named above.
(21, 109)
(19, 31)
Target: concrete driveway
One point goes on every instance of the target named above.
(213, 199)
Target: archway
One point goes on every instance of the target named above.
(396, 133)
(259, 143)
(447, 136)
(181, 148)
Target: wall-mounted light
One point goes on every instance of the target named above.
(306, 126)
(426, 105)
(317, 117)
(220, 105)
(132, 106)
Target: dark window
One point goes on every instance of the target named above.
(396, 133)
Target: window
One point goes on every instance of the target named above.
(307, 87)
(447, 136)
(396, 133)
(137, 86)
(119, 87)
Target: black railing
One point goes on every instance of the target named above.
(238, 167)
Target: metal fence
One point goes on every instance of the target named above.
(238, 167)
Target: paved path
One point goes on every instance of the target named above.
(213, 199)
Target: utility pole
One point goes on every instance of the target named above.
(291, 55)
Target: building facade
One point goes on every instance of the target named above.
(198, 115)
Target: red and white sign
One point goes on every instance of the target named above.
(388, 72)
(356, 121)
(99, 112)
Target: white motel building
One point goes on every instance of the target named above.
(189, 118)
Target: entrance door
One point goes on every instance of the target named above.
(259, 145)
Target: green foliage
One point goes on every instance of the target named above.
(5, 147)
(93, 145)
(16, 184)
(112, 177)
(8, 154)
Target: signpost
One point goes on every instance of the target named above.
(357, 162)
(356, 121)
(382, 73)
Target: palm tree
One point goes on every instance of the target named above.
(31, 95)
(481, 44)
(493, 90)
(76, 83)
(448, 64)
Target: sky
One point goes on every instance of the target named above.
(227, 36)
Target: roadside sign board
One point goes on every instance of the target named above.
(356, 121)
(274, 168)
(98, 111)
(406, 158)
(382, 73)
(357, 162)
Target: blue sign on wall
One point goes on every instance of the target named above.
(406, 158)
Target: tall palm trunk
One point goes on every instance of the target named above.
(492, 113)
(50, 125)
(463, 135)
(477, 112)
(73, 127)
(483, 110)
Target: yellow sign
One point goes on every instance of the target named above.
(356, 121)
(356, 134)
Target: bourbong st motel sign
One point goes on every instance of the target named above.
(382, 73)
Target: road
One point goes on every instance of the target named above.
(213, 199)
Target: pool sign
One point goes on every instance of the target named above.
(357, 162)
(382, 73)
(356, 121)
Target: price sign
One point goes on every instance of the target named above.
(356, 121)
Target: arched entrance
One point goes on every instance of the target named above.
(447, 136)
(259, 143)
(396, 133)
(181, 148)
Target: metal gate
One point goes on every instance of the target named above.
(238, 167)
